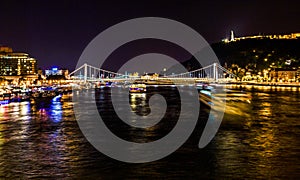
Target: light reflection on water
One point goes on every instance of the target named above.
(258, 138)
(265, 141)
(32, 140)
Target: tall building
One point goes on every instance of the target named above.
(16, 64)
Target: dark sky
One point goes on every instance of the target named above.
(56, 32)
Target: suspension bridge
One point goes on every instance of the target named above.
(211, 73)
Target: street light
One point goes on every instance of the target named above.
(164, 70)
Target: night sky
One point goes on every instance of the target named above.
(56, 32)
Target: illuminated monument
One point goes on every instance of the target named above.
(231, 36)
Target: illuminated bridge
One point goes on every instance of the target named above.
(212, 73)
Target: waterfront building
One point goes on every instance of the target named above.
(16, 64)
(283, 75)
(55, 71)
(17, 68)
(150, 76)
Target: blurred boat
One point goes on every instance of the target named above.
(137, 88)
(203, 86)
(44, 92)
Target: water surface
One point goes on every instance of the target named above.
(258, 138)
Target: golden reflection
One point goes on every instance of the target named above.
(262, 87)
(15, 108)
(266, 111)
(133, 96)
(265, 142)
(2, 110)
(294, 88)
(2, 139)
(138, 102)
(237, 102)
(267, 146)
(25, 108)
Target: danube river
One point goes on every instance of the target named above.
(258, 138)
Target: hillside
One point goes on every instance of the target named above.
(255, 55)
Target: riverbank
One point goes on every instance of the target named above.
(279, 84)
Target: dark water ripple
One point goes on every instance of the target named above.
(258, 139)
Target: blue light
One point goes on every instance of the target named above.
(56, 111)
(4, 102)
(54, 69)
(56, 98)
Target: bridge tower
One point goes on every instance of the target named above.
(85, 72)
(215, 72)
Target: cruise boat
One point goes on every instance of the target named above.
(203, 86)
(44, 92)
(137, 88)
(17, 97)
(19, 94)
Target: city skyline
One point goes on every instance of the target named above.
(56, 33)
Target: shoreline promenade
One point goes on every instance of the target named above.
(279, 84)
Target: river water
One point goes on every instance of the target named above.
(258, 138)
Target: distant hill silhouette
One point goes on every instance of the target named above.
(256, 54)
(256, 50)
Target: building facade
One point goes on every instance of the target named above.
(55, 71)
(285, 75)
(16, 64)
